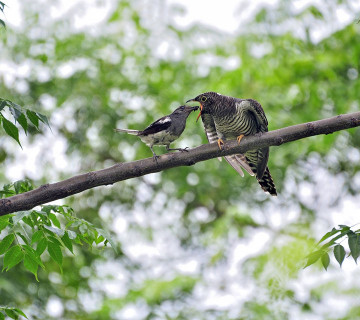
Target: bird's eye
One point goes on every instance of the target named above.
(182, 108)
(203, 98)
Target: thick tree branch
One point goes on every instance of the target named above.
(123, 171)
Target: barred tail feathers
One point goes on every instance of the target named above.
(267, 183)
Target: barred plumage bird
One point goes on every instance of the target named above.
(227, 118)
(164, 130)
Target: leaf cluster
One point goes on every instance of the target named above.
(20, 115)
(337, 235)
(12, 313)
(27, 235)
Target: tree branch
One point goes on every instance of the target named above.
(124, 171)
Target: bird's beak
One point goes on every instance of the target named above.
(190, 109)
(201, 108)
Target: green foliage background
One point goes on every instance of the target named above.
(195, 242)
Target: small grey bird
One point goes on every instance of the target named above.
(227, 118)
(164, 130)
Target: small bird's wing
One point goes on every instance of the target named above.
(237, 161)
(159, 125)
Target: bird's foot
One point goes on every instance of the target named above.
(220, 143)
(239, 138)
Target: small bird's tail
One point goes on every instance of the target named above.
(129, 131)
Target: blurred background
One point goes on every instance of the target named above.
(194, 242)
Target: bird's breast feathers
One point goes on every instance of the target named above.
(160, 138)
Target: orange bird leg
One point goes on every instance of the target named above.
(220, 144)
(239, 138)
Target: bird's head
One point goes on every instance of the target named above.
(206, 101)
(184, 110)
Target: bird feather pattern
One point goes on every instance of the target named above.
(238, 161)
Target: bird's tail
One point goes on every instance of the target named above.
(266, 182)
(129, 131)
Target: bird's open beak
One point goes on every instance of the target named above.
(201, 108)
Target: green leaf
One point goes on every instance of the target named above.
(13, 257)
(57, 231)
(3, 104)
(329, 234)
(33, 118)
(344, 227)
(106, 235)
(99, 239)
(37, 236)
(54, 220)
(3, 224)
(354, 245)
(43, 119)
(16, 112)
(6, 242)
(11, 129)
(21, 186)
(19, 216)
(31, 264)
(2, 317)
(20, 312)
(2, 23)
(325, 260)
(33, 254)
(41, 246)
(339, 253)
(23, 237)
(11, 313)
(67, 242)
(23, 122)
(55, 253)
(313, 257)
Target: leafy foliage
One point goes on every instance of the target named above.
(335, 237)
(27, 235)
(13, 313)
(21, 116)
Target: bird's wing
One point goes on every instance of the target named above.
(210, 128)
(157, 126)
(237, 161)
(256, 111)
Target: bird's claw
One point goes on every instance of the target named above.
(184, 149)
(239, 138)
(220, 143)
